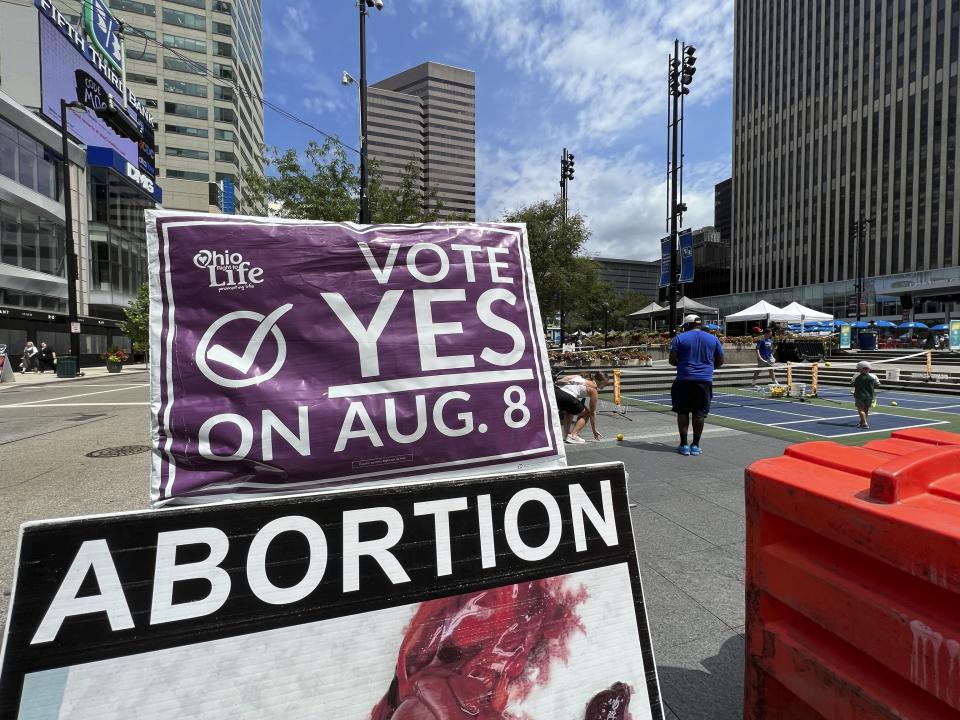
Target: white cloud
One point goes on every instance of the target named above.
(598, 76)
(420, 29)
(623, 197)
(611, 63)
(292, 39)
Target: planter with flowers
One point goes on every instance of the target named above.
(115, 357)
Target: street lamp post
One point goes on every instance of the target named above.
(73, 319)
(364, 185)
(566, 175)
(679, 78)
(859, 233)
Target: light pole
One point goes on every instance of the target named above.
(73, 319)
(566, 175)
(858, 232)
(678, 80)
(362, 5)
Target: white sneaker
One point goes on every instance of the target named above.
(575, 440)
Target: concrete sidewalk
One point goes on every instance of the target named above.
(139, 371)
(689, 526)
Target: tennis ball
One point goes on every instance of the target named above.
(826, 364)
(619, 436)
(893, 402)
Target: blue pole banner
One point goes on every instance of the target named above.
(686, 256)
(664, 263)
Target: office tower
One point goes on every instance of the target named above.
(627, 276)
(427, 115)
(842, 108)
(723, 208)
(205, 85)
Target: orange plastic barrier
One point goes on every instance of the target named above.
(853, 580)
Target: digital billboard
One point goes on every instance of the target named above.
(72, 70)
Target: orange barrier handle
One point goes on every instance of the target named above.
(616, 386)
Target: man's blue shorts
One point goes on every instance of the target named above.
(691, 397)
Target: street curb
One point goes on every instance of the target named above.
(59, 381)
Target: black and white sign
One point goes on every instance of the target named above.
(495, 597)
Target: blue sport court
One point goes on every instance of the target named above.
(820, 420)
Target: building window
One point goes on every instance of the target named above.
(185, 19)
(185, 88)
(184, 43)
(202, 4)
(222, 49)
(225, 156)
(220, 28)
(221, 92)
(144, 79)
(186, 130)
(222, 7)
(223, 71)
(149, 102)
(187, 66)
(188, 153)
(221, 134)
(222, 114)
(188, 175)
(184, 110)
(141, 55)
(31, 241)
(28, 162)
(134, 7)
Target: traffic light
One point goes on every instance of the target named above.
(569, 168)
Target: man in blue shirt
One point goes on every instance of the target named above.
(695, 354)
(765, 356)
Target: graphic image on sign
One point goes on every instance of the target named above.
(294, 355)
(492, 598)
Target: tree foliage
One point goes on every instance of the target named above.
(560, 273)
(325, 185)
(136, 324)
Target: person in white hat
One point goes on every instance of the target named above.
(865, 385)
(695, 354)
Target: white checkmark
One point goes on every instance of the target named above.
(243, 363)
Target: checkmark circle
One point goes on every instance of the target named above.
(204, 345)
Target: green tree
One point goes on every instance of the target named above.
(136, 324)
(555, 247)
(325, 185)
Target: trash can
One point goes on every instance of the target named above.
(867, 340)
(66, 366)
(893, 374)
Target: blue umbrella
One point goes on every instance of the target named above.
(941, 326)
(839, 323)
(712, 326)
(884, 324)
(912, 326)
(860, 324)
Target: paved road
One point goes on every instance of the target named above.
(688, 518)
(46, 434)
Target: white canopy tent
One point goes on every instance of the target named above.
(761, 310)
(647, 310)
(805, 314)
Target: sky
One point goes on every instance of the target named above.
(588, 75)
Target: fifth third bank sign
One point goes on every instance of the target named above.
(290, 355)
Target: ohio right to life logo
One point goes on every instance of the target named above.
(238, 366)
(228, 270)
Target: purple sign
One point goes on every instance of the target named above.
(292, 355)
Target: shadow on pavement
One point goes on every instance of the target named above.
(654, 447)
(714, 692)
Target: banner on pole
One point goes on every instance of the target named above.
(292, 355)
(685, 238)
(664, 263)
(955, 334)
(845, 333)
(498, 597)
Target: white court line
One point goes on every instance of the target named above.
(40, 403)
(71, 405)
(867, 431)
